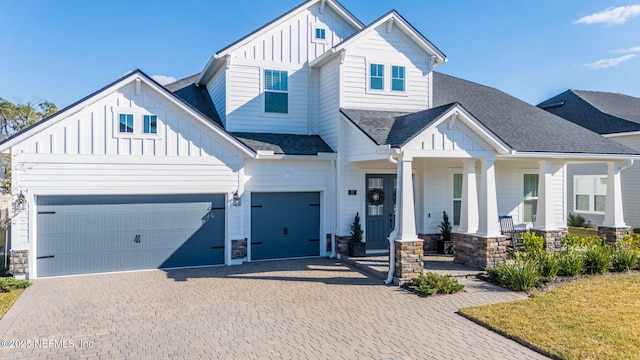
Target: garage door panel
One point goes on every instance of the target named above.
(285, 225)
(114, 233)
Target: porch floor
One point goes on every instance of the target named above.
(378, 265)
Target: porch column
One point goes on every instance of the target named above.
(407, 247)
(488, 206)
(469, 206)
(613, 215)
(545, 214)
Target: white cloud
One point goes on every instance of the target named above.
(634, 49)
(163, 80)
(612, 15)
(607, 63)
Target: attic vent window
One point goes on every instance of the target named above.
(276, 91)
(321, 34)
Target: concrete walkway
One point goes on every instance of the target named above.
(294, 309)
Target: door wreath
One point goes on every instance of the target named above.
(375, 197)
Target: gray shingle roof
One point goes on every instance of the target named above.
(602, 112)
(196, 96)
(394, 128)
(288, 144)
(522, 126)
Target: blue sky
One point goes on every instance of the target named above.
(63, 50)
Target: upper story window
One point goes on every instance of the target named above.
(376, 81)
(126, 123)
(321, 34)
(590, 193)
(150, 124)
(276, 91)
(398, 78)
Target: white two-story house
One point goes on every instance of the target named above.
(284, 136)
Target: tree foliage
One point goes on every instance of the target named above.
(19, 116)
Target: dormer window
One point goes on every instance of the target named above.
(276, 91)
(376, 81)
(321, 34)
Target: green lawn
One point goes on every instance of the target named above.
(593, 318)
(584, 232)
(7, 299)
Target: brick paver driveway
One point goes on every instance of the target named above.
(300, 309)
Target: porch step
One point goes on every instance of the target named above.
(375, 265)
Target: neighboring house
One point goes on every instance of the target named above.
(616, 117)
(271, 150)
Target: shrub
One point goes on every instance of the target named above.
(575, 220)
(497, 274)
(8, 284)
(356, 230)
(532, 243)
(596, 259)
(623, 258)
(548, 264)
(570, 262)
(432, 283)
(523, 275)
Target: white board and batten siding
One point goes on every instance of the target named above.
(289, 46)
(380, 47)
(85, 154)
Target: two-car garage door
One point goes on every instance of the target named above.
(89, 234)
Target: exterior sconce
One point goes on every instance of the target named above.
(21, 202)
(236, 200)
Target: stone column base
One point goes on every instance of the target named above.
(552, 238)
(479, 252)
(239, 249)
(612, 235)
(19, 263)
(409, 261)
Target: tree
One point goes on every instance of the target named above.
(19, 116)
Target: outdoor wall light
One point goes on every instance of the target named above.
(236, 200)
(21, 202)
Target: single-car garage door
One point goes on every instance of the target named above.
(89, 234)
(285, 225)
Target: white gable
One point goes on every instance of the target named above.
(387, 46)
(448, 139)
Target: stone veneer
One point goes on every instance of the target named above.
(342, 244)
(552, 238)
(430, 242)
(409, 261)
(479, 252)
(238, 249)
(612, 235)
(19, 262)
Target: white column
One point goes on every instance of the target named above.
(545, 214)
(469, 206)
(488, 205)
(613, 215)
(405, 229)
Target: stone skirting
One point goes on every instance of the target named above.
(329, 243)
(479, 252)
(409, 261)
(612, 235)
(430, 242)
(19, 262)
(239, 249)
(342, 244)
(552, 238)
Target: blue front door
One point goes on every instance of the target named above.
(381, 201)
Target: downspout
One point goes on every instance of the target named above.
(335, 207)
(392, 247)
